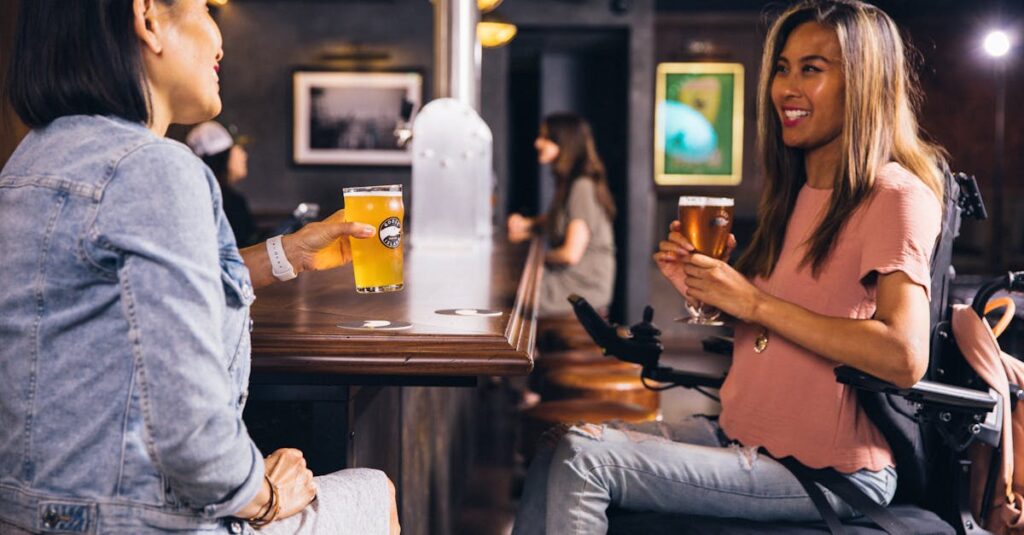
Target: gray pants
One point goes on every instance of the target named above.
(353, 501)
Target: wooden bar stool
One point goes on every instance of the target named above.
(550, 361)
(613, 381)
(538, 419)
(563, 332)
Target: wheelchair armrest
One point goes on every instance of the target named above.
(685, 379)
(928, 393)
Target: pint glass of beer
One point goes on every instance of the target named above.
(377, 261)
(706, 222)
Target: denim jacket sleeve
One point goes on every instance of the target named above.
(155, 226)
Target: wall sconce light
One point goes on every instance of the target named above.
(217, 2)
(486, 6)
(493, 31)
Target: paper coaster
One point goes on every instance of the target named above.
(375, 325)
(478, 312)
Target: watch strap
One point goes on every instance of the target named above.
(279, 264)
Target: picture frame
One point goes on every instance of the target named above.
(698, 124)
(350, 118)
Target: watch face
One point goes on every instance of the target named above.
(390, 232)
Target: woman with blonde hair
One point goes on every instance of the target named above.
(837, 273)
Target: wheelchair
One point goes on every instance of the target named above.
(928, 426)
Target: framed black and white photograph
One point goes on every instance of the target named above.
(353, 118)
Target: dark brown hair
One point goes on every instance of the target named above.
(577, 159)
(77, 57)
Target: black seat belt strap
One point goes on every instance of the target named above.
(835, 526)
(846, 490)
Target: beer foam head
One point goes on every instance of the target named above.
(705, 201)
(394, 190)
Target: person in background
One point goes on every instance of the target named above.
(578, 225)
(229, 161)
(124, 314)
(838, 273)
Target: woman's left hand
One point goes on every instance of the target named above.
(324, 244)
(717, 284)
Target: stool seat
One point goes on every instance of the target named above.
(614, 381)
(563, 332)
(571, 411)
(549, 361)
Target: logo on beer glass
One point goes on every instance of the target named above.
(390, 232)
(721, 220)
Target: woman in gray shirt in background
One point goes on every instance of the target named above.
(578, 225)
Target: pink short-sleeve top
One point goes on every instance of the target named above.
(786, 399)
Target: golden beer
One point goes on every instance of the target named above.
(706, 222)
(377, 261)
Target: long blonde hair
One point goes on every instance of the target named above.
(880, 126)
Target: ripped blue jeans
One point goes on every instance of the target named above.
(685, 467)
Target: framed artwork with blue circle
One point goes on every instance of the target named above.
(698, 124)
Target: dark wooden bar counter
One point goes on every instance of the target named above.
(403, 401)
(296, 323)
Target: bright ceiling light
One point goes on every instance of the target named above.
(217, 2)
(997, 43)
(494, 31)
(486, 6)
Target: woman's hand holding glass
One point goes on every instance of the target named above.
(324, 244)
(674, 255)
(715, 283)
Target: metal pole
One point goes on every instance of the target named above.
(457, 51)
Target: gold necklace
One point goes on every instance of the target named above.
(761, 342)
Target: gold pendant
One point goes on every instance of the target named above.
(761, 342)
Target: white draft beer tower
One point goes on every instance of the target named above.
(451, 145)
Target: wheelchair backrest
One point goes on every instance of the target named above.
(893, 415)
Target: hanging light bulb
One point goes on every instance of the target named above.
(493, 31)
(486, 6)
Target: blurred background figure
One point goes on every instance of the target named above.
(578, 225)
(226, 157)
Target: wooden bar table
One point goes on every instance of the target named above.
(401, 401)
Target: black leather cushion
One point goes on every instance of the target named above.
(920, 522)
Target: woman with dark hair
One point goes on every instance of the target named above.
(229, 162)
(124, 332)
(837, 274)
(578, 225)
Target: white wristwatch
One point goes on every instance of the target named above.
(279, 264)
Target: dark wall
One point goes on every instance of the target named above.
(959, 83)
(717, 37)
(265, 39)
(11, 128)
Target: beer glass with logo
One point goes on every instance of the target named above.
(706, 222)
(377, 261)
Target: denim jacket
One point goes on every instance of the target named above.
(124, 337)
